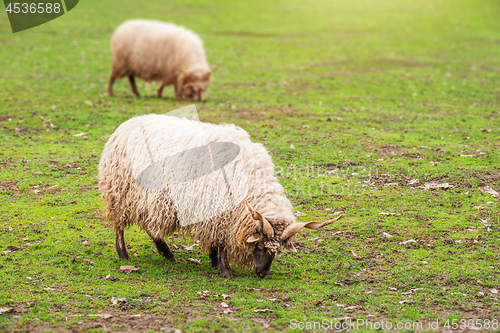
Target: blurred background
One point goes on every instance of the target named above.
(327, 50)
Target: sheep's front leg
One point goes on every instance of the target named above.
(164, 250)
(160, 90)
(120, 245)
(219, 259)
(214, 254)
(131, 78)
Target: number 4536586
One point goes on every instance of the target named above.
(455, 324)
(33, 8)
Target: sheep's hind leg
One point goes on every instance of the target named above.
(110, 84)
(131, 78)
(163, 248)
(160, 90)
(120, 245)
(222, 262)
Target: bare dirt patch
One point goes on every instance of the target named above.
(9, 185)
(396, 151)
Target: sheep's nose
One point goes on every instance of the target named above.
(262, 274)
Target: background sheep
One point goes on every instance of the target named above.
(164, 52)
(236, 236)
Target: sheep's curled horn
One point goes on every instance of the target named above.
(292, 229)
(261, 224)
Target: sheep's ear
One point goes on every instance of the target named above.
(181, 78)
(289, 246)
(254, 238)
(207, 76)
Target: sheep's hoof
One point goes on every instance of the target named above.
(227, 274)
(171, 259)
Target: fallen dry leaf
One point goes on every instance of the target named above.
(189, 248)
(434, 186)
(87, 243)
(6, 309)
(388, 213)
(116, 300)
(404, 301)
(386, 234)
(408, 241)
(318, 303)
(350, 308)
(489, 190)
(204, 293)
(128, 269)
(79, 135)
(263, 310)
(88, 261)
(224, 305)
(111, 278)
(196, 261)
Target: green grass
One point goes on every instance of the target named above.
(361, 104)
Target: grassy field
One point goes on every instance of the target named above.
(386, 110)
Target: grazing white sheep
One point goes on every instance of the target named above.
(164, 52)
(254, 230)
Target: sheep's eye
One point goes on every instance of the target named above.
(260, 246)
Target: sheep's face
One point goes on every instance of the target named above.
(263, 257)
(193, 85)
(267, 240)
(270, 237)
(265, 250)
